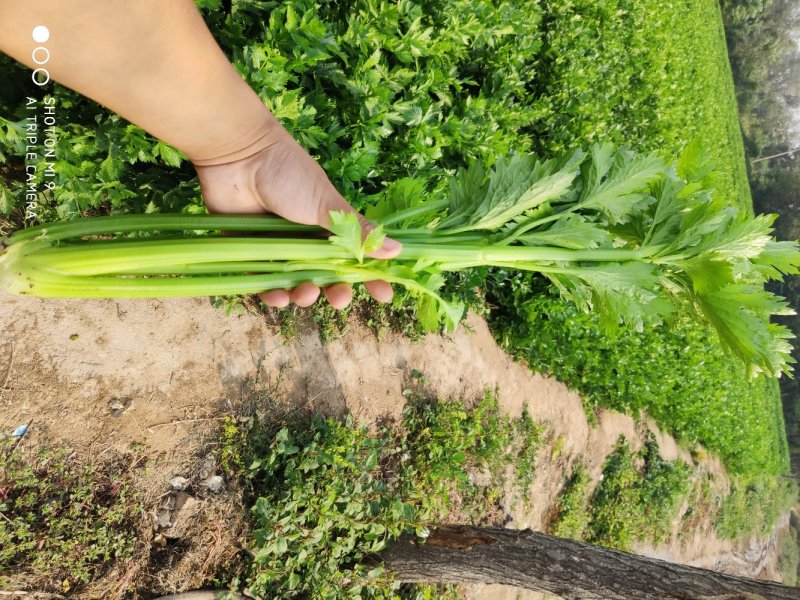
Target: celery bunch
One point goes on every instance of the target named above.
(632, 237)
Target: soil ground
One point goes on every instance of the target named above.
(101, 375)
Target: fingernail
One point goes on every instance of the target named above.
(391, 245)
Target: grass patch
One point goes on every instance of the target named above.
(63, 521)
(636, 500)
(328, 495)
(572, 507)
(638, 497)
(754, 505)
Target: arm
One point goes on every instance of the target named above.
(155, 63)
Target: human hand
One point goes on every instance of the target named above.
(283, 179)
(181, 88)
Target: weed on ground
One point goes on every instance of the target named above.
(64, 521)
(637, 499)
(318, 478)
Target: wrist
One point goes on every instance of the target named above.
(246, 137)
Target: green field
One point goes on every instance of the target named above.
(380, 90)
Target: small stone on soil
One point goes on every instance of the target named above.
(179, 483)
(119, 405)
(213, 484)
(207, 467)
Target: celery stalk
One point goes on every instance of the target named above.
(631, 237)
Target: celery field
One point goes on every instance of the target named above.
(410, 92)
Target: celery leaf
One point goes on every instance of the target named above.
(572, 231)
(623, 192)
(740, 314)
(348, 234)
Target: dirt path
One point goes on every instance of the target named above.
(104, 374)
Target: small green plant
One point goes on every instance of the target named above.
(288, 318)
(428, 592)
(558, 447)
(448, 442)
(527, 438)
(572, 517)
(64, 521)
(332, 323)
(231, 440)
(638, 497)
(615, 509)
(323, 507)
(663, 487)
(381, 318)
(230, 304)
